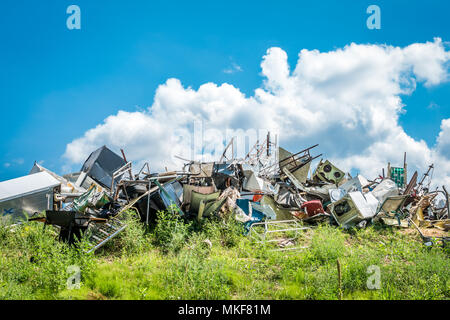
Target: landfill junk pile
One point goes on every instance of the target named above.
(271, 191)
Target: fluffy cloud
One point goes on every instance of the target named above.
(443, 140)
(347, 100)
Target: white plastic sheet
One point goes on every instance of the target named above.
(385, 189)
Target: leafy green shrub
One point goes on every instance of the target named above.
(170, 232)
(227, 232)
(35, 263)
(133, 239)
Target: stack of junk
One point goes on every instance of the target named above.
(271, 192)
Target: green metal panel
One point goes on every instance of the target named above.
(398, 176)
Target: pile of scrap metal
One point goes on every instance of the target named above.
(271, 191)
(393, 202)
(270, 188)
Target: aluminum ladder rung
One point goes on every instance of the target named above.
(100, 242)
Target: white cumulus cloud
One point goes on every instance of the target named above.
(347, 100)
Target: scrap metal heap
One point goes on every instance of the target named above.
(270, 191)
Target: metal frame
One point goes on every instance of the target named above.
(112, 235)
(264, 148)
(142, 171)
(279, 227)
(447, 203)
(429, 175)
(120, 172)
(224, 154)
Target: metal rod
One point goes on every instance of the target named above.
(289, 229)
(295, 154)
(426, 175)
(125, 159)
(225, 151)
(303, 164)
(106, 239)
(446, 195)
(148, 201)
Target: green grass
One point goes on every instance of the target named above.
(174, 260)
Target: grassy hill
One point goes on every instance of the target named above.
(213, 260)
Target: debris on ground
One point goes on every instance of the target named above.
(271, 191)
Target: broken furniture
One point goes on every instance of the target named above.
(210, 207)
(197, 198)
(265, 190)
(298, 164)
(283, 232)
(312, 207)
(250, 213)
(391, 212)
(189, 188)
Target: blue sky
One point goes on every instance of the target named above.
(55, 83)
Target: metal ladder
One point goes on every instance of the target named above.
(101, 233)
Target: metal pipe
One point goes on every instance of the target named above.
(107, 239)
(148, 201)
(301, 165)
(446, 196)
